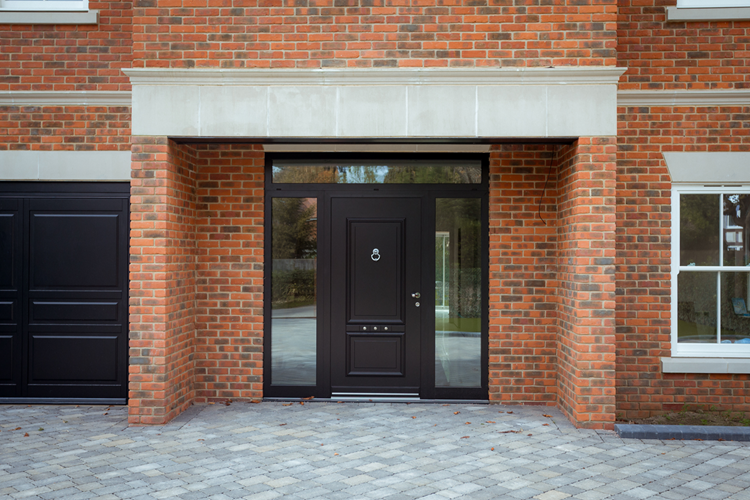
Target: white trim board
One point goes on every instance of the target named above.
(65, 98)
(705, 365)
(698, 14)
(49, 17)
(376, 103)
(65, 165)
(377, 148)
(702, 168)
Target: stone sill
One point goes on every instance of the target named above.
(706, 365)
(675, 14)
(702, 432)
(49, 17)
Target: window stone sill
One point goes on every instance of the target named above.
(675, 14)
(705, 365)
(49, 17)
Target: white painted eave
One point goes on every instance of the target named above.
(379, 76)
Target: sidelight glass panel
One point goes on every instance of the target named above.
(293, 291)
(458, 297)
(699, 229)
(377, 172)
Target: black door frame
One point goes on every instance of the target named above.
(428, 193)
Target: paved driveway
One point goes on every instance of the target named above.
(328, 450)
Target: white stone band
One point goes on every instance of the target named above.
(65, 165)
(705, 365)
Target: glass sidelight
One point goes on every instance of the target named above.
(294, 291)
(458, 296)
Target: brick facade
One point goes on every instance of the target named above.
(580, 255)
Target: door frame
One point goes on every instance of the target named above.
(428, 193)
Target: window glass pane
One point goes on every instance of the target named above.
(377, 172)
(735, 319)
(736, 209)
(696, 307)
(699, 229)
(458, 296)
(293, 291)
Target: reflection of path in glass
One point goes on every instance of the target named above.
(293, 341)
(458, 365)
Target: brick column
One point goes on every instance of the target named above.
(586, 250)
(162, 280)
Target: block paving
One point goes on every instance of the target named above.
(332, 450)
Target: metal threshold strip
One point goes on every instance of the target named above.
(381, 398)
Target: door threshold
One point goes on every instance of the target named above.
(381, 399)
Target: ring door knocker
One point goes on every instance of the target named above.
(375, 254)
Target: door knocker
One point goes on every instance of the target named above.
(375, 254)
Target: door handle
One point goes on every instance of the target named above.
(416, 295)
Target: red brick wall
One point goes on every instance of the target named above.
(79, 128)
(229, 313)
(586, 253)
(644, 256)
(679, 55)
(162, 280)
(69, 57)
(523, 274)
(324, 33)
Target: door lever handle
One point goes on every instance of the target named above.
(416, 295)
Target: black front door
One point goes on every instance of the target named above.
(375, 300)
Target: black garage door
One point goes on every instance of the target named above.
(63, 292)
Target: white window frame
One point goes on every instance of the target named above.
(701, 350)
(710, 4)
(45, 5)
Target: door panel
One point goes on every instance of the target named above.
(375, 266)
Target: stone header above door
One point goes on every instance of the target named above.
(399, 103)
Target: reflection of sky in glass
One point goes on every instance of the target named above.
(391, 172)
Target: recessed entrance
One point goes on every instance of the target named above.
(376, 283)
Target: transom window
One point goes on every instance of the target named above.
(711, 281)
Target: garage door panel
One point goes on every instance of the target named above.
(63, 292)
(74, 312)
(73, 359)
(74, 250)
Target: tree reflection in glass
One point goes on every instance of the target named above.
(293, 291)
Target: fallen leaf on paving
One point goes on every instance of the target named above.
(308, 398)
(464, 437)
(490, 422)
(492, 449)
(335, 453)
(287, 404)
(456, 412)
(281, 425)
(501, 412)
(339, 402)
(413, 417)
(301, 402)
(211, 403)
(26, 435)
(467, 423)
(108, 413)
(548, 416)
(321, 444)
(528, 434)
(256, 402)
(546, 425)
(446, 405)
(510, 412)
(17, 429)
(41, 428)
(514, 432)
(201, 440)
(696, 439)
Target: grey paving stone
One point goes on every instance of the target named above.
(368, 451)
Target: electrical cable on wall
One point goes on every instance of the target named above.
(549, 173)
